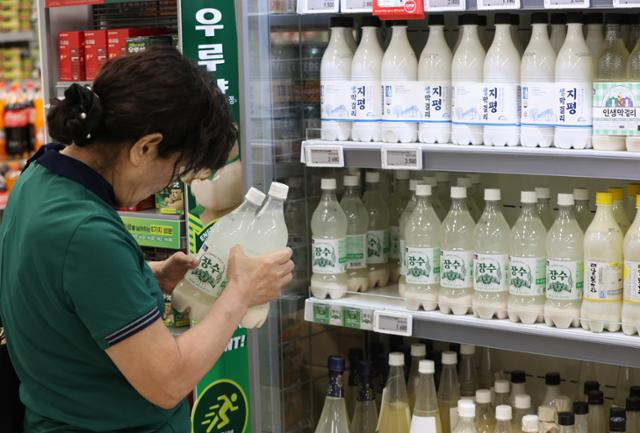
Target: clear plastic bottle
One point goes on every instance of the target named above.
(365, 414)
(353, 382)
(418, 353)
(502, 390)
(595, 37)
(406, 214)
(545, 211)
(397, 204)
(583, 210)
(518, 386)
(617, 425)
(444, 190)
(618, 209)
(588, 386)
(334, 418)
(357, 224)
(633, 190)
(467, 411)
(547, 418)
(530, 424)
(485, 415)
(456, 263)
(471, 203)
(633, 75)
(521, 408)
(486, 376)
(558, 30)
(603, 260)
(476, 193)
(565, 267)
(490, 273)
(587, 377)
(467, 373)
(329, 234)
(566, 422)
(503, 419)
(597, 416)
(448, 391)
(435, 200)
(378, 232)
(395, 416)
(527, 263)
(631, 298)
(426, 416)
(551, 389)
(633, 414)
(581, 413)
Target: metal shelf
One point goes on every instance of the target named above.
(16, 37)
(608, 348)
(501, 160)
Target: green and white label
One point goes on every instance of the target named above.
(208, 276)
(403, 256)
(564, 279)
(377, 247)
(527, 276)
(356, 251)
(615, 108)
(490, 272)
(423, 265)
(394, 242)
(455, 269)
(329, 256)
(604, 281)
(632, 282)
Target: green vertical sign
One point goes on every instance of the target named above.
(209, 37)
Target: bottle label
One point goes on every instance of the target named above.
(631, 282)
(527, 276)
(455, 269)
(394, 242)
(356, 251)
(536, 110)
(467, 106)
(574, 104)
(329, 256)
(399, 101)
(403, 257)
(604, 281)
(491, 273)
(208, 277)
(501, 104)
(423, 265)
(377, 247)
(614, 112)
(435, 101)
(335, 100)
(423, 424)
(564, 280)
(365, 101)
(335, 386)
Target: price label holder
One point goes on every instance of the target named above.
(445, 5)
(335, 315)
(324, 156)
(626, 3)
(318, 6)
(356, 6)
(498, 4)
(401, 158)
(566, 4)
(393, 322)
(357, 318)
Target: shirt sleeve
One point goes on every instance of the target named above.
(105, 282)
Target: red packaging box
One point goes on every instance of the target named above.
(399, 9)
(95, 52)
(71, 53)
(117, 39)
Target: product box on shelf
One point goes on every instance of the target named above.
(71, 52)
(141, 43)
(95, 52)
(399, 9)
(117, 39)
(171, 199)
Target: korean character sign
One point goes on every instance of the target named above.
(574, 104)
(399, 9)
(365, 100)
(614, 108)
(502, 104)
(435, 101)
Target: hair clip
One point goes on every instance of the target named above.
(83, 115)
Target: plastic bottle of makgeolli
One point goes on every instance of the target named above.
(583, 211)
(467, 73)
(357, 226)
(467, 412)
(485, 417)
(406, 214)
(335, 92)
(545, 212)
(631, 303)
(558, 30)
(378, 232)
(399, 75)
(435, 200)
(365, 77)
(538, 88)
(603, 242)
(468, 375)
(594, 37)
(515, 33)
(574, 75)
(443, 191)
(418, 353)
(474, 210)
(527, 263)
(503, 419)
(633, 189)
(565, 267)
(619, 212)
(202, 286)
(491, 262)
(397, 204)
(449, 391)
(456, 262)
(434, 74)
(502, 87)
(426, 417)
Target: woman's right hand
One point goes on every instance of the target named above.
(259, 279)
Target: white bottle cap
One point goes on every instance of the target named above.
(449, 357)
(423, 190)
(466, 409)
(419, 350)
(426, 366)
(372, 177)
(413, 183)
(530, 423)
(350, 180)
(475, 178)
(527, 197)
(543, 192)
(502, 386)
(467, 349)
(278, 190)
(523, 401)
(580, 194)
(458, 192)
(565, 199)
(328, 183)
(255, 196)
(442, 177)
(492, 194)
(401, 174)
(503, 412)
(483, 396)
(465, 181)
(396, 359)
(430, 180)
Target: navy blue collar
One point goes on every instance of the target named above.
(49, 156)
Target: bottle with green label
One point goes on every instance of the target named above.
(397, 204)
(565, 267)
(422, 235)
(527, 264)
(435, 200)
(491, 262)
(631, 301)
(357, 224)
(329, 245)
(545, 210)
(406, 214)
(377, 232)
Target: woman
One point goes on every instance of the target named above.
(80, 306)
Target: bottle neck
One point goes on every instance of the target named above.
(398, 35)
(469, 32)
(604, 212)
(503, 32)
(369, 35)
(529, 210)
(423, 202)
(459, 204)
(328, 195)
(373, 186)
(518, 388)
(574, 31)
(366, 390)
(503, 425)
(466, 423)
(351, 191)
(492, 209)
(539, 31)
(565, 213)
(436, 34)
(273, 205)
(401, 186)
(552, 391)
(566, 429)
(612, 32)
(335, 385)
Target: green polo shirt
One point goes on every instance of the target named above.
(73, 282)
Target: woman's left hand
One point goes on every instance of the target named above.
(170, 272)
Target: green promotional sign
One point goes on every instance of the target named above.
(157, 233)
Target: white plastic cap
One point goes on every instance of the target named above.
(565, 199)
(458, 192)
(328, 183)
(492, 194)
(430, 180)
(547, 413)
(502, 386)
(530, 423)
(475, 178)
(423, 190)
(527, 197)
(442, 177)
(278, 190)
(543, 192)
(467, 349)
(449, 357)
(466, 409)
(419, 350)
(255, 196)
(580, 194)
(523, 401)
(503, 412)
(372, 177)
(426, 366)
(350, 180)
(396, 359)
(401, 175)
(413, 183)
(465, 181)
(483, 396)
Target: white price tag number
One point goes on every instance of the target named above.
(445, 5)
(565, 4)
(392, 322)
(324, 156)
(498, 4)
(626, 3)
(402, 158)
(317, 6)
(356, 5)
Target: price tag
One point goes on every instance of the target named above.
(393, 322)
(318, 6)
(565, 4)
(357, 319)
(402, 158)
(498, 4)
(445, 5)
(321, 313)
(352, 6)
(324, 156)
(626, 3)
